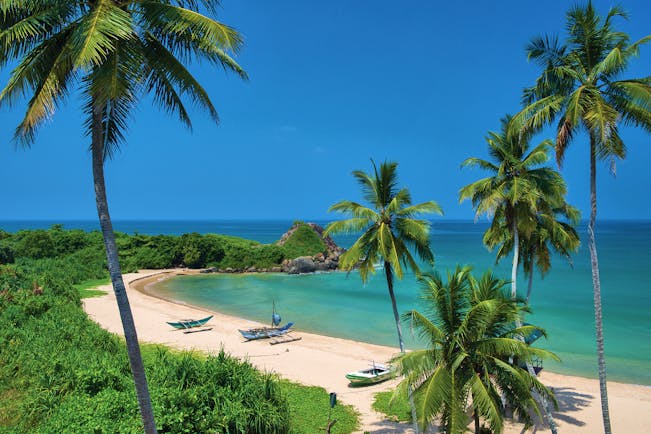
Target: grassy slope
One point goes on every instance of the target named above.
(303, 242)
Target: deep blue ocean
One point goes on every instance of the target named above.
(338, 304)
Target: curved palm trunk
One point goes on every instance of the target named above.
(388, 271)
(514, 293)
(133, 350)
(592, 246)
(516, 254)
(530, 285)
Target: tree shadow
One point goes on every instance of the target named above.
(569, 401)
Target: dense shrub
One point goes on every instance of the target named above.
(34, 244)
(77, 378)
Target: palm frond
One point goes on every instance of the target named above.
(95, 35)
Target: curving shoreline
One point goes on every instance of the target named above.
(323, 361)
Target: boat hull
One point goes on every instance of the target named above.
(187, 324)
(370, 376)
(266, 332)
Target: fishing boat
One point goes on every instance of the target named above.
(375, 374)
(189, 323)
(266, 332)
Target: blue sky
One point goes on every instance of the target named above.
(332, 84)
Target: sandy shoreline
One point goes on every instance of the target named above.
(323, 361)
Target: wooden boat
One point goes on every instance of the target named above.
(190, 323)
(375, 374)
(266, 332)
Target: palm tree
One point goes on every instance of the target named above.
(580, 88)
(517, 190)
(115, 52)
(469, 328)
(388, 229)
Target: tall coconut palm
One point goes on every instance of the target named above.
(581, 88)
(516, 191)
(114, 52)
(469, 328)
(389, 230)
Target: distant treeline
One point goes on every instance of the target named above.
(158, 251)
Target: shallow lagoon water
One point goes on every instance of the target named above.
(338, 304)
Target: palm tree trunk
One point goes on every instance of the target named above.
(530, 285)
(133, 350)
(389, 274)
(592, 246)
(388, 271)
(514, 274)
(516, 253)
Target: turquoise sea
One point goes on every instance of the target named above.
(338, 304)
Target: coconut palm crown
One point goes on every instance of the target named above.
(517, 190)
(469, 328)
(581, 88)
(114, 52)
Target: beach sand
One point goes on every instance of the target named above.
(323, 361)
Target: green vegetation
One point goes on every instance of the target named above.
(394, 407)
(309, 407)
(136, 251)
(473, 357)
(304, 241)
(61, 372)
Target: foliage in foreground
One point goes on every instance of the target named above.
(60, 372)
(474, 354)
(75, 377)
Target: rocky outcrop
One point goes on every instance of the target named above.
(322, 261)
(303, 264)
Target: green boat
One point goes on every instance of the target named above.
(190, 323)
(376, 374)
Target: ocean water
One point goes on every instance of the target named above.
(338, 304)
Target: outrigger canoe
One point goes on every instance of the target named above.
(266, 332)
(373, 375)
(190, 323)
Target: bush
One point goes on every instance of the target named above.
(34, 244)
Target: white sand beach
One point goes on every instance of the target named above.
(323, 361)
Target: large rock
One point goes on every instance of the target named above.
(301, 265)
